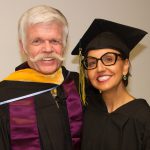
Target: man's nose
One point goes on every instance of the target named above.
(48, 46)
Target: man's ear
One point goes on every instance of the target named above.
(23, 52)
(21, 46)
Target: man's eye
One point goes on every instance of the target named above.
(36, 42)
(55, 42)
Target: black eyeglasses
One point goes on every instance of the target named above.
(107, 59)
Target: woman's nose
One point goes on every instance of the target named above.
(100, 66)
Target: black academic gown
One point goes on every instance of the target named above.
(53, 122)
(127, 128)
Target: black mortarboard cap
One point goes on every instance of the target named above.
(107, 34)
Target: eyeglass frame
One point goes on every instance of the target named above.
(97, 59)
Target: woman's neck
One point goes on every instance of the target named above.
(116, 98)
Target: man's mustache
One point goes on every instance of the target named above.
(46, 56)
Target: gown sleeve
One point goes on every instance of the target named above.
(146, 139)
(4, 128)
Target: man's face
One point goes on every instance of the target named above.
(44, 39)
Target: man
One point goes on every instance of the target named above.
(40, 108)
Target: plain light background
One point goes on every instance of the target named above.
(80, 14)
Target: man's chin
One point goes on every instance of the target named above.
(48, 70)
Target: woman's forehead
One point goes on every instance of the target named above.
(102, 51)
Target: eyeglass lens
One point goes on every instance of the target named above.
(107, 59)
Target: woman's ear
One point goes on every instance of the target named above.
(126, 66)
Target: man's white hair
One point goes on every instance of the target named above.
(41, 14)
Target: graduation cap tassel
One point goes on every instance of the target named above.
(81, 79)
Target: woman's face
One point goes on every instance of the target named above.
(106, 78)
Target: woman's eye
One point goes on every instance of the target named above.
(108, 59)
(91, 63)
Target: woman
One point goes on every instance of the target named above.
(118, 120)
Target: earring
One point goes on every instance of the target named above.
(124, 77)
